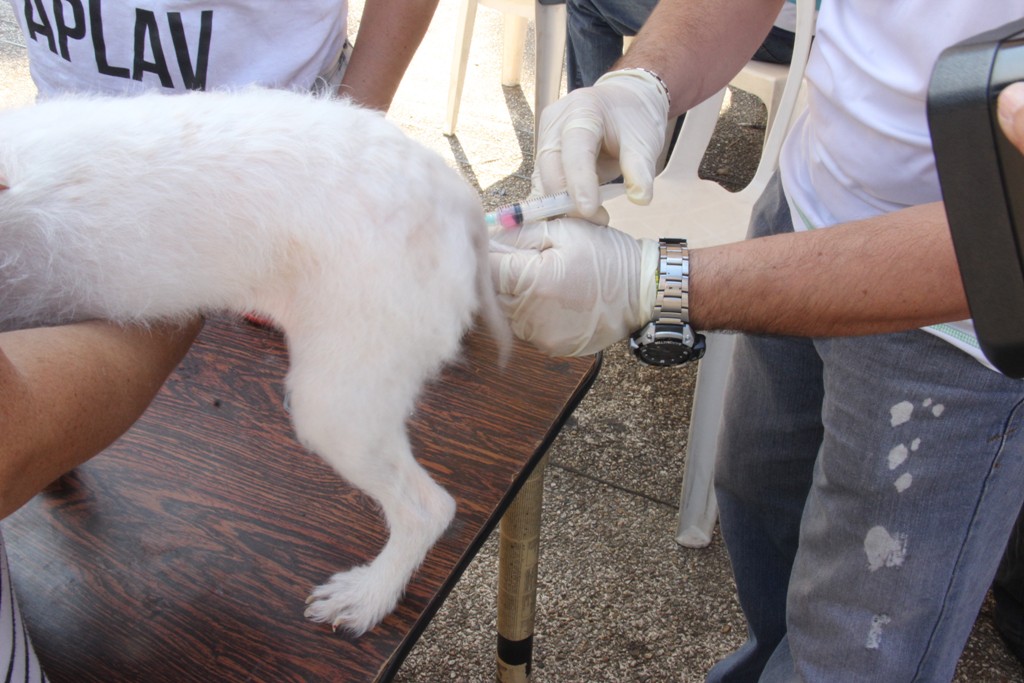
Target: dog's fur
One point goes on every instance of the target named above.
(361, 245)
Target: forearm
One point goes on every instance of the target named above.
(69, 391)
(390, 31)
(697, 46)
(890, 273)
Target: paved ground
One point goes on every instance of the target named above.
(619, 600)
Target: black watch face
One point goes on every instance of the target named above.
(664, 353)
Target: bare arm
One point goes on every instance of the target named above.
(69, 391)
(389, 33)
(893, 272)
(697, 46)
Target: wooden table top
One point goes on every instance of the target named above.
(185, 552)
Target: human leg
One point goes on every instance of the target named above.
(771, 434)
(777, 47)
(595, 29)
(770, 437)
(594, 34)
(1008, 591)
(922, 457)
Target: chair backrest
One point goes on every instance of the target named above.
(791, 103)
(699, 124)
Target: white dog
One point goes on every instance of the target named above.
(363, 246)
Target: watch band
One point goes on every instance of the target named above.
(668, 338)
(672, 297)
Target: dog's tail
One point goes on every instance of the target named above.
(489, 309)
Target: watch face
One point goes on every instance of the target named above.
(667, 347)
(664, 353)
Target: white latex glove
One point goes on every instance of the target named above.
(592, 135)
(571, 287)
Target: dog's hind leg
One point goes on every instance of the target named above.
(355, 420)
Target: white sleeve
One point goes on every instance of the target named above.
(17, 658)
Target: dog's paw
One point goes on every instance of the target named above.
(353, 600)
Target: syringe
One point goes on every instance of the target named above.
(541, 208)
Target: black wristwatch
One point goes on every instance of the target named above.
(668, 339)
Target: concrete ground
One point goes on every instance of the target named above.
(619, 599)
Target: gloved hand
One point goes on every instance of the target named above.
(571, 287)
(592, 135)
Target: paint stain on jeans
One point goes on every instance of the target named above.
(875, 632)
(884, 549)
(900, 413)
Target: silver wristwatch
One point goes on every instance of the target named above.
(668, 339)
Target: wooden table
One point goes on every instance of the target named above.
(185, 551)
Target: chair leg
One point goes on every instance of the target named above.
(771, 102)
(463, 38)
(513, 42)
(550, 28)
(698, 508)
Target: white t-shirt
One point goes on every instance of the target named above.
(863, 146)
(117, 47)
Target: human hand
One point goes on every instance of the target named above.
(593, 135)
(571, 287)
(1011, 113)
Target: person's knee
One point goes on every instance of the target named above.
(616, 15)
(777, 47)
(574, 7)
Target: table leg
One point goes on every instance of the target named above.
(518, 557)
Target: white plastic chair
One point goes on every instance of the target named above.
(766, 81)
(707, 214)
(549, 25)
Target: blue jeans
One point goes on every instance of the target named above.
(1008, 591)
(867, 487)
(595, 29)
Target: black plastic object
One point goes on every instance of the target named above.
(982, 178)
